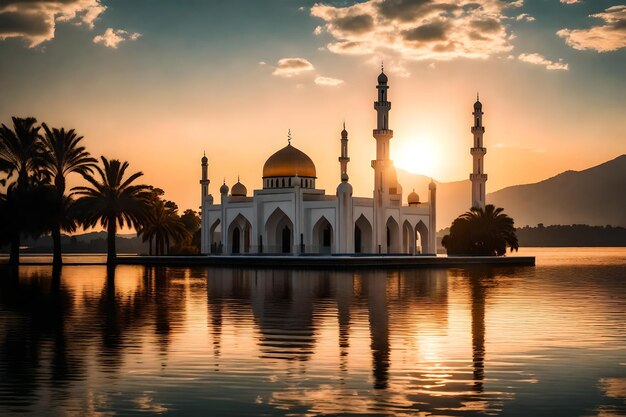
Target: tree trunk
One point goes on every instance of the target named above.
(14, 258)
(56, 243)
(111, 230)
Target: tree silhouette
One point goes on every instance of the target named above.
(20, 155)
(63, 155)
(162, 224)
(480, 231)
(112, 200)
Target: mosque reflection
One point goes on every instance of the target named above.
(55, 323)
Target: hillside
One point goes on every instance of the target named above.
(594, 196)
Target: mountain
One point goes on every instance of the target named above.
(594, 196)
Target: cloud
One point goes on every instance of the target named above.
(525, 16)
(418, 29)
(318, 30)
(327, 81)
(570, 1)
(111, 38)
(608, 37)
(538, 59)
(35, 20)
(289, 67)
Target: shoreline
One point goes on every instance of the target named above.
(326, 262)
(319, 262)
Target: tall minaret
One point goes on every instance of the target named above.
(478, 176)
(345, 220)
(386, 184)
(344, 159)
(204, 182)
(205, 199)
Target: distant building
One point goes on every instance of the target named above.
(291, 216)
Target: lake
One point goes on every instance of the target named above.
(548, 340)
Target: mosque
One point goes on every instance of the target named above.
(291, 216)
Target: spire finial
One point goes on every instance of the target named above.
(238, 178)
(224, 180)
(344, 125)
(203, 153)
(289, 136)
(382, 66)
(477, 98)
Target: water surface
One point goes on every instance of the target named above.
(548, 340)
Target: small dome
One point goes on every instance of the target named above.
(224, 189)
(413, 198)
(478, 105)
(432, 185)
(345, 188)
(204, 160)
(239, 190)
(289, 162)
(382, 78)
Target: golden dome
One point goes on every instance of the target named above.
(289, 162)
(413, 199)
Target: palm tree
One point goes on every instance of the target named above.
(20, 153)
(163, 224)
(112, 200)
(480, 231)
(64, 155)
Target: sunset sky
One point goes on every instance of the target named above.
(159, 82)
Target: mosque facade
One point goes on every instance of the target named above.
(290, 215)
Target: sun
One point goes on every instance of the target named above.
(417, 156)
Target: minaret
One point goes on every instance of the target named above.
(478, 176)
(345, 227)
(205, 199)
(386, 184)
(204, 182)
(344, 159)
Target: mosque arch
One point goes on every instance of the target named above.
(215, 236)
(239, 233)
(421, 238)
(362, 235)
(393, 236)
(279, 232)
(408, 238)
(322, 236)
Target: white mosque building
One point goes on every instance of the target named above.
(291, 216)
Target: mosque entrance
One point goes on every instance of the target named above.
(421, 238)
(362, 235)
(279, 232)
(286, 240)
(322, 236)
(236, 241)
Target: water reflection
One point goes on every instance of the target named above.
(86, 340)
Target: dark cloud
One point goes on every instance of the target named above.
(355, 24)
(486, 25)
(404, 10)
(25, 24)
(429, 32)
